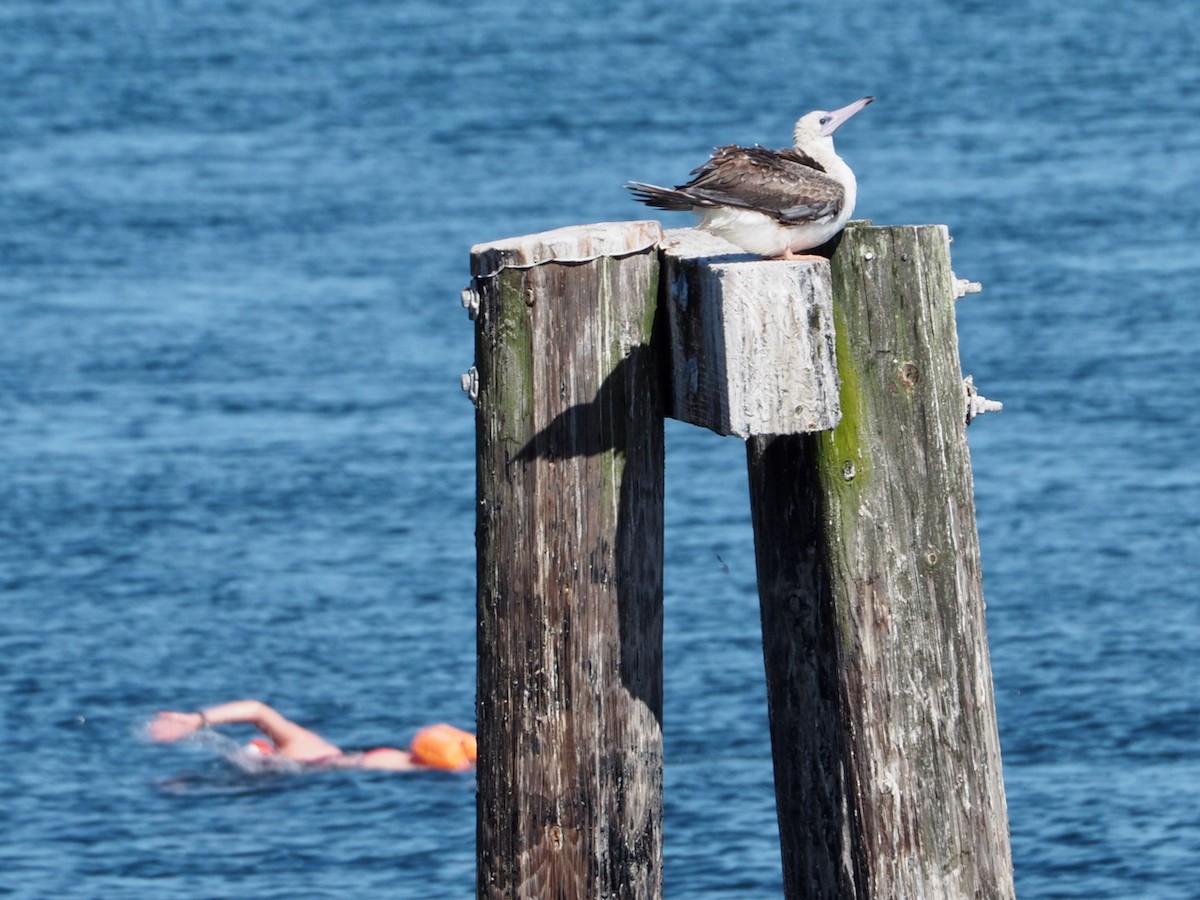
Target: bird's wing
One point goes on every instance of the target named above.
(787, 185)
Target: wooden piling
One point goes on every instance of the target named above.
(569, 537)
(887, 759)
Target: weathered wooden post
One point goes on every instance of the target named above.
(569, 538)
(883, 726)
(887, 760)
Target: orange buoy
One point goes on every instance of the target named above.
(443, 747)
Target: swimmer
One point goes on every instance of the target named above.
(433, 747)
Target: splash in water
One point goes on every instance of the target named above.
(245, 758)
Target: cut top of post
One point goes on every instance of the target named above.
(573, 244)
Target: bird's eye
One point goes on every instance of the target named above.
(825, 120)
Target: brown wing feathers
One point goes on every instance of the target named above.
(787, 185)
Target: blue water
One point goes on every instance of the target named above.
(236, 462)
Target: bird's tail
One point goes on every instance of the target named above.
(661, 197)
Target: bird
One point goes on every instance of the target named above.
(774, 203)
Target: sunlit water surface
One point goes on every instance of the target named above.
(236, 461)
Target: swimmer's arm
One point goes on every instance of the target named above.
(170, 725)
(248, 712)
(292, 740)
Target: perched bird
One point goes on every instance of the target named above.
(775, 203)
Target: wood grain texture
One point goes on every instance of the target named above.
(887, 759)
(751, 341)
(569, 532)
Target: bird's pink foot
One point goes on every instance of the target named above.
(789, 255)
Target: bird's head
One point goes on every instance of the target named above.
(817, 128)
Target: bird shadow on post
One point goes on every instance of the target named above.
(594, 428)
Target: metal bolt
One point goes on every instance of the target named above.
(470, 301)
(977, 404)
(470, 383)
(962, 286)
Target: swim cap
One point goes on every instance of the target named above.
(443, 747)
(260, 747)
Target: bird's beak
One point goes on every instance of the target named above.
(839, 116)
